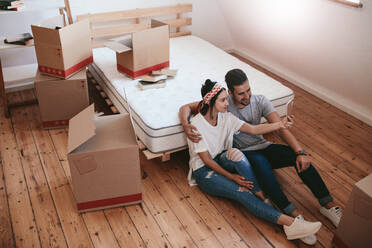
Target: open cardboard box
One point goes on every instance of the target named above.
(64, 51)
(103, 156)
(355, 226)
(61, 99)
(146, 51)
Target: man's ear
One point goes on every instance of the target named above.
(230, 93)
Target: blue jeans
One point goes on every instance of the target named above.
(278, 156)
(218, 185)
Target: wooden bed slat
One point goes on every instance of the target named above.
(110, 24)
(177, 23)
(183, 33)
(118, 30)
(136, 13)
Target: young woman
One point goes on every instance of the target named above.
(221, 170)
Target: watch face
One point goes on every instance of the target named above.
(301, 152)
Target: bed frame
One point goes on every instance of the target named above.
(118, 23)
(113, 24)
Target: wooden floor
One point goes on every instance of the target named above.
(37, 207)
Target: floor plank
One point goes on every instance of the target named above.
(123, 228)
(48, 223)
(200, 232)
(147, 226)
(6, 232)
(20, 208)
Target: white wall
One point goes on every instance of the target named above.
(13, 22)
(208, 21)
(322, 46)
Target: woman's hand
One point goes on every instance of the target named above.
(192, 132)
(287, 122)
(241, 181)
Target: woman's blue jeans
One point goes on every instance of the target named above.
(218, 185)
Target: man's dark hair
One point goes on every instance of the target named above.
(235, 77)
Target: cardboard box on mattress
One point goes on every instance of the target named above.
(61, 99)
(354, 230)
(144, 51)
(104, 161)
(64, 51)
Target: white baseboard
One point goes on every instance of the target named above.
(229, 50)
(347, 106)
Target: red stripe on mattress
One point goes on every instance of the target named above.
(65, 73)
(57, 123)
(109, 202)
(134, 74)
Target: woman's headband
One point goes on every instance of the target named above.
(207, 98)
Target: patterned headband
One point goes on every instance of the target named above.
(207, 98)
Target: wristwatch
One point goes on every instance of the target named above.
(301, 152)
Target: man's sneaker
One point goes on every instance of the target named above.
(333, 214)
(301, 228)
(309, 240)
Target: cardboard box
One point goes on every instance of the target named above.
(104, 161)
(65, 51)
(61, 99)
(147, 51)
(355, 228)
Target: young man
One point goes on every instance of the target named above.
(263, 155)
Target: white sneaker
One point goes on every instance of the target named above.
(309, 240)
(301, 228)
(333, 214)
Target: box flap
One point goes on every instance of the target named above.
(81, 128)
(157, 23)
(150, 47)
(117, 47)
(45, 32)
(69, 35)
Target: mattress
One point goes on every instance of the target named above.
(155, 111)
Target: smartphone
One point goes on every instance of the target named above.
(290, 107)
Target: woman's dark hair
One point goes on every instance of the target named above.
(206, 87)
(235, 77)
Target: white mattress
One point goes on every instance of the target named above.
(155, 111)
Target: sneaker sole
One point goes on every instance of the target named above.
(299, 236)
(308, 243)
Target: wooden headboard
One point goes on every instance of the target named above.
(105, 25)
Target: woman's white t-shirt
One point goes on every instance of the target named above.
(215, 139)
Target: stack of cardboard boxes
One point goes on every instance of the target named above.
(102, 151)
(62, 55)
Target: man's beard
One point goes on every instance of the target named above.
(245, 103)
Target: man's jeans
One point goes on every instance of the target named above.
(277, 156)
(218, 185)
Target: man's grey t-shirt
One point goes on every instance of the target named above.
(258, 107)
